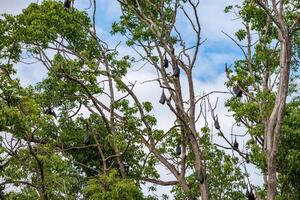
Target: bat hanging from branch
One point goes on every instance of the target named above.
(237, 91)
(217, 125)
(176, 73)
(50, 111)
(163, 98)
(86, 137)
(178, 149)
(235, 144)
(67, 4)
(200, 177)
(250, 195)
(166, 62)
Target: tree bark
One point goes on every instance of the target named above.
(275, 120)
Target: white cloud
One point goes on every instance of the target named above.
(13, 6)
(31, 73)
(214, 20)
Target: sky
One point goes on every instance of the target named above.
(215, 52)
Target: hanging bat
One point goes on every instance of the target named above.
(178, 150)
(237, 91)
(200, 177)
(163, 98)
(250, 194)
(67, 3)
(166, 62)
(50, 111)
(217, 125)
(247, 158)
(176, 72)
(235, 144)
(86, 139)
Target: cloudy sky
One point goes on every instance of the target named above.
(214, 54)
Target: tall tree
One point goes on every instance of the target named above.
(50, 149)
(62, 117)
(263, 77)
(89, 135)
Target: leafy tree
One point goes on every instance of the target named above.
(112, 187)
(264, 78)
(83, 133)
(45, 154)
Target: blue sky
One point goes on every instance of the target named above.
(214, 53)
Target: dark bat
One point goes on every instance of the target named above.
(50, 111)
(67, 3)
(166, 62)
(235, 144)
(163, 98)
(247, 158)
(250, 194)
(176, 72)
(178, 150)
(217, 125)
(237, 91)
(201, 177)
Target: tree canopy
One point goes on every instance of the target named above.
(83, 132)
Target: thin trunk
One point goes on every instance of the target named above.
(198, 164)
(101, 154)
(40, 175)
(275, 122)
(112, 121)
(271, 178)
(188, 127)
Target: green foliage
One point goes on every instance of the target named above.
(49, 146)
(48, 154)
(110, 186)
(289, 153)
(225, 179)
(253, 109)
(143, 31)
(241, 34)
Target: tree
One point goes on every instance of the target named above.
(42, 153)
(115, 131)
(151, 27)
(83, 132)
(264, 77)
